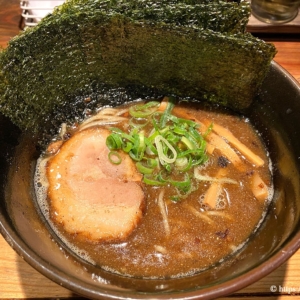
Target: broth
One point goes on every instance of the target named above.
(178, 236)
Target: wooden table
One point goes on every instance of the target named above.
(19, 280)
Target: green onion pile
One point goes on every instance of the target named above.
(163, 146)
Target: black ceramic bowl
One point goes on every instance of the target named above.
(275, 112)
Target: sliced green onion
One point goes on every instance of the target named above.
(208, 131)
(173, 145)
(128, 137)
(160, 178)
(179, 130)
(155, 133)
(172, 138)
(114, 157)
(143, 110)
(114, 141)
(195, 152)
(191, 135)
(155, 120)
(177, 120)
(200, 160)
(189, 165)
(152, 181)
(175, 198)
(152, 162)
(167, 113)
(142, 144)
(195, 134)
(184, 185)
(150, 149)
(139, 147)
(127, 147)
(168, 167)
(143, 169)
(181, 162)
(160, 141)
(116, 130)
(189, 144)
(149, 142)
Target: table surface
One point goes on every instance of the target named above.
(20, 280)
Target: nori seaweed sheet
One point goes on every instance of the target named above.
(69, 53)
(219, 16)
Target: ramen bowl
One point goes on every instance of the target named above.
(275, 113)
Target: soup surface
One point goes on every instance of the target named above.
(155, 190)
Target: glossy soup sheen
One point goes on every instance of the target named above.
(195, 242)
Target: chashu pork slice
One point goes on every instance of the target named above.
(89, 196)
